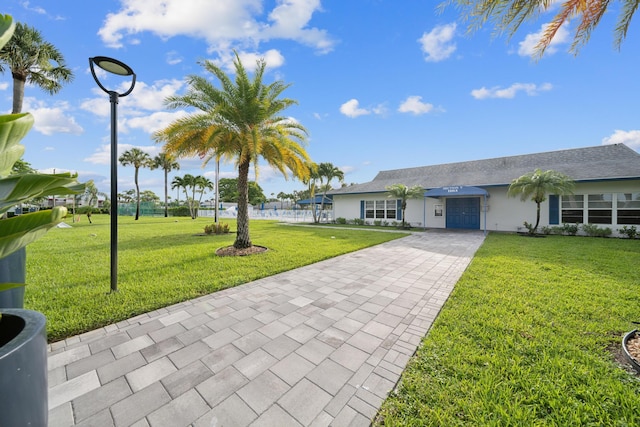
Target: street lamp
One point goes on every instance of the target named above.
(113, 66)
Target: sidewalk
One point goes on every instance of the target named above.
(316, 346)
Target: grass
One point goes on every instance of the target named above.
(528, 337)
(160, 262)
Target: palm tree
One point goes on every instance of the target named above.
(202, 183)
(91, 194)
(508, 15)
(242, 121)
(536, 185)
(404, 193)
(329, 172)
(189, 184)
(139, 159)
(178, 182)
(31, 59)
(311, 182)
(167, 163)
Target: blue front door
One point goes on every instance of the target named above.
(463, 212)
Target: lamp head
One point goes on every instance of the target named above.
(112, 66)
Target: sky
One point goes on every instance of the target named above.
(379, 84)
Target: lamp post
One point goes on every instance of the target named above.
(113, 66)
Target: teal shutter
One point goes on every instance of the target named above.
(361, 209)
(554, 210)
(399, 210)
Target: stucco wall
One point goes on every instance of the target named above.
(503, 213)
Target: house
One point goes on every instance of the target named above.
(473, 194)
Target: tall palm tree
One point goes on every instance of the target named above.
(32, 59)
(139, 159)
(508, 15)
(329, 172)
(536, 185)
(167, 163)
(311, 182)
(240, 120)
(404, 193)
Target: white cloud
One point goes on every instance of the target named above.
(273, 58)
(173, 58)
(530, 89)
(102, 155)
(49, 120)
(351, 109)
(630, 138)
(220, 23)
(150, 123)
(527, 46)
(437, 44)
(4, 85)
(414, 105)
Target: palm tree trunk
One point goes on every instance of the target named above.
(166, 194)
(137, 196)
(537, 219)
(18, 94)
(242, 236)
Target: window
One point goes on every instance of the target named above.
(572, 209)
(600, 208)
(628, 208)
(380, 209)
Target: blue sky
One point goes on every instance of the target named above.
(381, 84)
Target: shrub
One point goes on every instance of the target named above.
(377, 222)
(593, 230)
(358, 221)
(529, 227)
(570, 229)
(341, 220)
(545, 230)
(219, 228)
(180, 211)
(631, 232)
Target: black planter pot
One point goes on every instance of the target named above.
(630, 358)
(13, 270)
(23, 368)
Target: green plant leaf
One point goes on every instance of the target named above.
(7, 27)
(19, 231)
(21, 188)
(7, 286)
(13, 127)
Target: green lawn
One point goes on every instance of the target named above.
(161, 261)
(528, 338)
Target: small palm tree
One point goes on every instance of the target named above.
(178, 182)
(31, 59)
(311, 182)
(404, 193)
(91, 194)
(202, 184)
(329, 172)
(167, 163)
(139, 159)
(536, 185)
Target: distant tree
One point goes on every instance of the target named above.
(178, 182)
(33, 60)
(312, 182)
(128, 196)
(326, 173)
(536, 185)
(202, 184)
(91, 194)
(229, 191)
(149, 196)
(21, 166)
(189, 186)
(139, 159)
(404, 193)
(167, 163)
(282, 196)
(508, 15)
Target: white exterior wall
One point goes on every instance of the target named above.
(503, 213)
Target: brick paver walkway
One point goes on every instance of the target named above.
(316, 346)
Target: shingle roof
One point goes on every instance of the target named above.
(603, 162)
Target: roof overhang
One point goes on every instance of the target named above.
(456, 191)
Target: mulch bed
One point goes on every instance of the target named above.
(232, 251)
